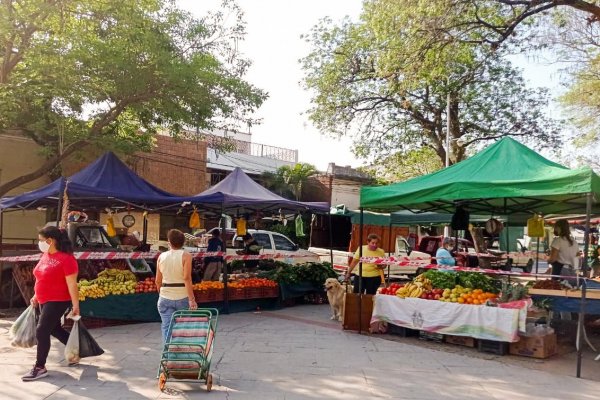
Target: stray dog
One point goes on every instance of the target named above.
(335, 295)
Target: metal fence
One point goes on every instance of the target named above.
(254, 149)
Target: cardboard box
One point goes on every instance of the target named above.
(460, 340)
(534, 346)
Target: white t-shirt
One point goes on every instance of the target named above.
(567, 253)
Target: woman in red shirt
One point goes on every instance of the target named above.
(55, 291)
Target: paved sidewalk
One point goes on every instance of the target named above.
(294, 353)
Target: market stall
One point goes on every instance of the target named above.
(118, 285)
(506, 178)
(240, 196)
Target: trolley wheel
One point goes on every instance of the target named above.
(209, 382)
(162, 381)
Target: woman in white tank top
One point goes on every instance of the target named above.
(174, 280)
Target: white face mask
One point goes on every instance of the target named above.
(44, 246)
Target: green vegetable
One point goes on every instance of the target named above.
(476, 280)
(315, 273)
(512, 291)
(441, 279)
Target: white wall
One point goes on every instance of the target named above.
(347, 194)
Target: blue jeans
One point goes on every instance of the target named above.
(166, 308)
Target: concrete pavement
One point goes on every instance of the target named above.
(294, 353)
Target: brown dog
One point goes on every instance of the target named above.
(335, 295)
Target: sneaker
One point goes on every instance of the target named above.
(35, 373)
(73, 364)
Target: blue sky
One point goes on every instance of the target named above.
(273, 44)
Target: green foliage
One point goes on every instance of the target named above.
(441, 279)
(315, 273)
(389, 79)
(476, 280)
(512, 291)
(287, 181)
(405, 165)
(112, 74)
(582, 101)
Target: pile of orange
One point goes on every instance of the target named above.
(208, 285)
(252, 283)
(240, 284)
(475, 297)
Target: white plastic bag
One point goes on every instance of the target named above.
(22, 332)
(72, 347)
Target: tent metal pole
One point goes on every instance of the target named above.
(60, 201)
(581, 327)
(507, 236)
(537, 257)
(360, 269)
(330, 240)
(224, 236)
(586, 237)
(584, 267)
(1, 245)
(389, 250)
(144, 229)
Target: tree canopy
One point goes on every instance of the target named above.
(108, 73)
(569, 29)
(392, 79)
(288, 180)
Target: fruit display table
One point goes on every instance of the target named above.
(480, 322)
(569, 300)
(141, 307)
(129, 307)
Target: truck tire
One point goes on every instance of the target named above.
(508, 265)
(529, 266)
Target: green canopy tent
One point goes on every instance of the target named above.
(506, 178)
(432, 218)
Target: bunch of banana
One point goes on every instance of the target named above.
(117, 275)
(423, 282)
(416, 288)
(410, 290)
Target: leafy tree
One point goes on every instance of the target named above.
(288, 181)
(570, 28)
(390, 80)
(81, 74)
(405, 165)
(275, 182)
(296, 176)
(495, 21)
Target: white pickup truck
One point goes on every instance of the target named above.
(341, 259)
(271, 243)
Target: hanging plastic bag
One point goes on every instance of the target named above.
(110, 227)
(535, 226)
(88, 347)
(299, 226)
(240, 226)
(22, 332)
(72, 347)
(194, 222)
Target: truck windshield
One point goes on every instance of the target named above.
(92, 236)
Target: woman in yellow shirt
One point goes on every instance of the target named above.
(371, 273)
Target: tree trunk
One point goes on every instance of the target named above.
(457, 153)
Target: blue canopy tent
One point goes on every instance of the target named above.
(107, 182)
(238, 192)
